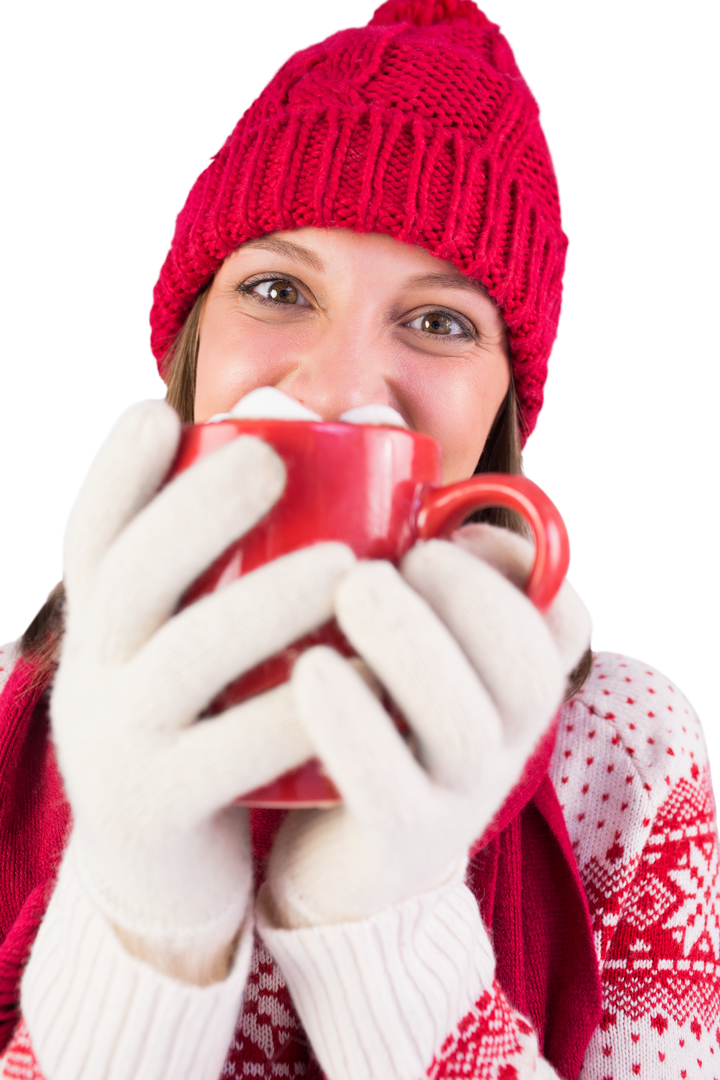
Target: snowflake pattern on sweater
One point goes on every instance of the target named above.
(269, 1040)
(632, 775)
(631, 768)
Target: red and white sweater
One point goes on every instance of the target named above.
(631, 771)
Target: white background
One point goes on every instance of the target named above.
(111, 110)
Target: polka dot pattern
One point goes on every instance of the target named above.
(631, 770)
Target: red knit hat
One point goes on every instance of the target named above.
(418, 125)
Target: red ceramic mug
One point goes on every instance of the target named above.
(376, 489)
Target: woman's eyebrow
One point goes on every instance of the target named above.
(288, 250)
(444, 280)
(438, 279)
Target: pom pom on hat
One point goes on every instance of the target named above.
(429, 13)
(418, 126)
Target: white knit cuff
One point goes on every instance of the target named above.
(378, 997)
(93, 1010)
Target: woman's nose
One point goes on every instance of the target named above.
(337, 377)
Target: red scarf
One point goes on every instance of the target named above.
(522, 871)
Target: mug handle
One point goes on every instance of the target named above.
(443, 509)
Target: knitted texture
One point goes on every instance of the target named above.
(572, 989)
(631, 771)
(34, 819)
(419, 126)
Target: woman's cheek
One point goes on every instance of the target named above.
(443, 402)
(233, 360)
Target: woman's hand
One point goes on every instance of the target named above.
(161, 852)
(477, 672)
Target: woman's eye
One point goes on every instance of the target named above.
(438, 323)
(280, 291)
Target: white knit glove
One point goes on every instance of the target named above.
(477, 672)
(161, 853)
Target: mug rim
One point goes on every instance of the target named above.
(320, 426)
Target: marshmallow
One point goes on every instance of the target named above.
(267, 402)
(379, 415)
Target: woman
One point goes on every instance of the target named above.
(382, 228)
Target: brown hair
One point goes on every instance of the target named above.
(502, 453)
